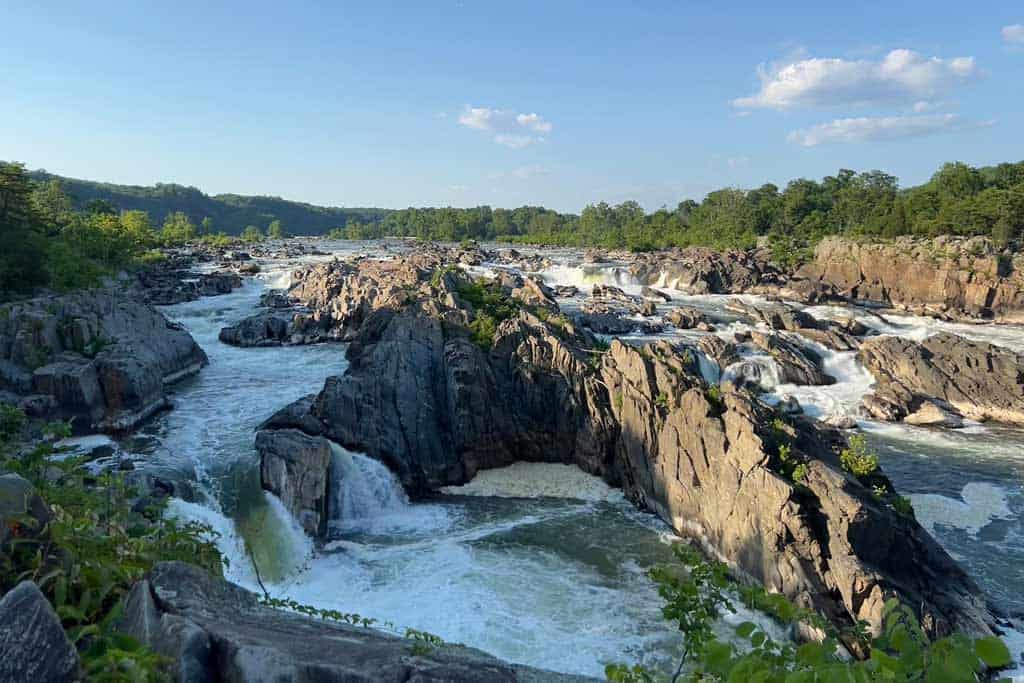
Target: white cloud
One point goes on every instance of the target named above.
(736, 162)
(527, 172)
(868, 129)
(480, 118)
(510, 129)
(902, 76)
(534, 122)
(1013, 34)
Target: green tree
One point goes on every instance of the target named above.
(177, 229)
(252, 234)
(23, 253)
(275, 231)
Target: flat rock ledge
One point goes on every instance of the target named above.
(212, 630)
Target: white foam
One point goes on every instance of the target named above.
(537, 480)
(369, 498)
(980, 504)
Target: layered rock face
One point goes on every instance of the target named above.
(945, 277)
(211, 630)
(943, 378)
(436, 407)
(93, 357)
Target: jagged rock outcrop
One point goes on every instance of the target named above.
(699, 270)
(709, 466)
(686, 318)
(211, 630)
(944, 277)
(94, 357)
(296, 467)
(33, 645)
(839, 335)
(422, 397)
(798, 364)
(943, 377)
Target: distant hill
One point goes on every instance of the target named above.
(230, 213)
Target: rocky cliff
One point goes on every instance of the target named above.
(945, 277)
(97, 358)
(425, 394)
(943, 379)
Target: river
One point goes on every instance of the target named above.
(539, 566)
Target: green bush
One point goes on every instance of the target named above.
(87, 557)
(696, 594)
(858, 458)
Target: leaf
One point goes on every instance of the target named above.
(745, 629)
(993, 652)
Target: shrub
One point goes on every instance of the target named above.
(87, 557)
(858, 459)
(696, 594)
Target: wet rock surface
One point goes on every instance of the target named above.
(211, 630)
(943, 378)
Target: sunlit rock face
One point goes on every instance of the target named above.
(423, 398)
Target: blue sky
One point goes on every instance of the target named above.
(465, 103)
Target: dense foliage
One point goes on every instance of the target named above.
(230, 212)
(88, 554)
(697, 593)
(958, 199)
(48, 242)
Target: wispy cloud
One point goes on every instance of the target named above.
(877, 129)
(1013, 34)
(508, 128)
(901, 77)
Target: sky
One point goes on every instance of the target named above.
(462, 103)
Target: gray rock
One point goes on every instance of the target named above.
(33, 645)
(102, 359)
(970, 379)
(685, 318)
(296, 468)
(798, 364)
(214, 631)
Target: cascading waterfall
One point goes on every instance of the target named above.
(757, 370)
(368, 498)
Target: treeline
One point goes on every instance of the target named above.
(958, 200)
(48, 242)
(232, 213)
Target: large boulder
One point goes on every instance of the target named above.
(94, 357)
(296, 467)
(211, 630)
(798, 364)
(971, 379)
(33, 645)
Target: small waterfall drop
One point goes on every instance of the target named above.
(760, 371)
(367, 497)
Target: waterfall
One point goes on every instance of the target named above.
(761, 371)
(367, 497)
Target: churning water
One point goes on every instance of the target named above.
(535, 565)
